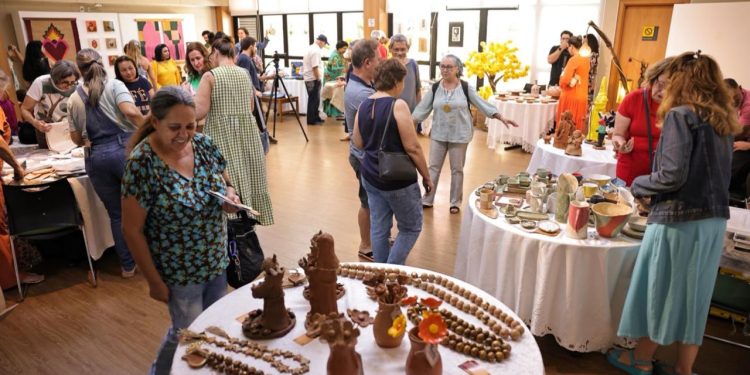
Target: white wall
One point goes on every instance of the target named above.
(718, 29)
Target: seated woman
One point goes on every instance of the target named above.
(387, 198)
(173, 227)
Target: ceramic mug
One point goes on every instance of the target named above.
(589, 189)
(539, 188)
(486, 197)
(542, 173)
(551, 201)
(578, 219)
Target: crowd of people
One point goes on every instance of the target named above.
(158, 143)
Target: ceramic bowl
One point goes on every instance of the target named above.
(638, 223)
(610, 218)
(600, 179)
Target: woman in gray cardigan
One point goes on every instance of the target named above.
(451, 126)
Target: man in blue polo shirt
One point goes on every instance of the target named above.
(365, 58)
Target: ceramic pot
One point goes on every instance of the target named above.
(423, 358)
(578, 220)
(561, 207)
(610, 218)
(387, 313)
(344, 360)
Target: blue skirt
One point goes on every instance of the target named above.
(673, 281)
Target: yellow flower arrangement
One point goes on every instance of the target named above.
(496, 61)
(398, 327)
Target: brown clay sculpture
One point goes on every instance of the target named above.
(321, 266)
(341, 336)
(274, 320)
(564, 130)
(574, 144)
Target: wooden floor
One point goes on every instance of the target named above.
(66, 327)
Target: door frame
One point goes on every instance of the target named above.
(614, 78)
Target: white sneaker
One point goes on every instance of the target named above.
(128, 274)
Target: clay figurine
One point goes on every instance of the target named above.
(564, 130)
(574, 144)
(321, 266)
(341, 336)
(274, 320)
(546, 138)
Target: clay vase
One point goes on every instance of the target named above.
(387, 313)
(344, 360)
(423, 358)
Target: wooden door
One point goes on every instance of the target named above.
(641, 37)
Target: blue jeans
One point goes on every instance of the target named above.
(186, 302)
(313, 101)
(406, 205)
(105, 167)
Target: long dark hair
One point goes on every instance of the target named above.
(121, 59)
(34, 62)
(90, 64)
(223, 46)
(161, 103)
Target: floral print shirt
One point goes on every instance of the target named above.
(185, 226)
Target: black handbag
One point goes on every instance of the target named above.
(394, 166)
(245, 253)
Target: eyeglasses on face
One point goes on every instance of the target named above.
(446, 67)
(68, 83)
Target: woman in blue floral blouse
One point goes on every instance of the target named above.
(175, 230)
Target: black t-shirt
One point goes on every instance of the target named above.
(140, 92)
(557, 66)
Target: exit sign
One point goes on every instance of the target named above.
(650, 33)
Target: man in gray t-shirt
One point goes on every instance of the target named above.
(365, 58)
(412, 94)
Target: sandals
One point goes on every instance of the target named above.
(366, 254)
(454, 209)
(613, 357)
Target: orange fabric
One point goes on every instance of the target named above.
(575, 99)
(7, 274)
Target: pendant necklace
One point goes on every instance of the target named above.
(448, 98)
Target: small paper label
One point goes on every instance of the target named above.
(431, 353)
(472, 367)
(304, 339)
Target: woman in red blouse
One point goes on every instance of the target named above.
(630, 138)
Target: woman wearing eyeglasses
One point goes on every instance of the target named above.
(46, 101)
(631, 136)
(451, 126)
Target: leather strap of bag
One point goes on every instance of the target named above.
(648, 130)
(387, 122)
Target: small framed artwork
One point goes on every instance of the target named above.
(94, 43)
(112, 59)
(109, 26)
(456, 37)
(91, 26)
(111, 43)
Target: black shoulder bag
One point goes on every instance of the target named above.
(394, 166)
(245, 253)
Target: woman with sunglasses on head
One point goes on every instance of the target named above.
(688, 197)
(103, 111)
(133, 50)
(46, 100)
(140, 88)
(452, 128)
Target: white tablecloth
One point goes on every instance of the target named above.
(525, 357)
(591, 162)
(533, 119)
(96, 227)
(296, 87)
(573, 289)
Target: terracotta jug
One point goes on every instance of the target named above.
(344, 360)
(387, 313)
(423, 358)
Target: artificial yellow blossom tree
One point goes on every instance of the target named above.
(496, 61)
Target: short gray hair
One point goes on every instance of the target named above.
(401, 38)
(377, 34)
(62, 69)
(459, 64)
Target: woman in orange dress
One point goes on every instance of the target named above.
(574, 85)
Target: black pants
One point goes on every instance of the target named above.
(740, 173)
(313, 101)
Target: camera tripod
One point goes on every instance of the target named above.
(274, 103)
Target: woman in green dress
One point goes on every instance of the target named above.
(197, 63)
(335, 68)
(225, 100)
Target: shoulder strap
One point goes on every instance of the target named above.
(434, 90)
(387, 122)
(648, 129)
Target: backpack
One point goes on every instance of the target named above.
(464, 87)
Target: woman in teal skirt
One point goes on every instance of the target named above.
(687, 195)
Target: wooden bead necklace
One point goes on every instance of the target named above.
(246, 347)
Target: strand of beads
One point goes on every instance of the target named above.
(225, 364)
(254, 350)
(475, 342)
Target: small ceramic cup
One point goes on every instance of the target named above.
(486, 198)
(589, 189)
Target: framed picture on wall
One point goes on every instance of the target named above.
(59, 37)
(94, 43)
(109, 26)
(111, 43)
(91, 26)
(111, 59)
(157, 31)
(456, 37)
